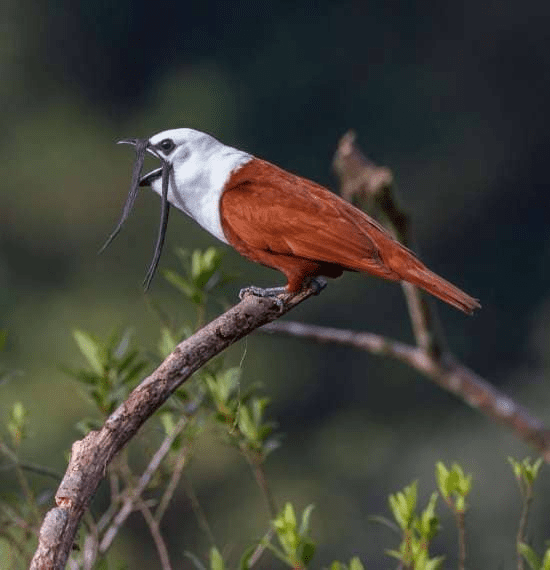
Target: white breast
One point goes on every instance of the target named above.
(200, 170)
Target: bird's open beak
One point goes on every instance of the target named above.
(146, 179)
(142, 146)
(132, 142)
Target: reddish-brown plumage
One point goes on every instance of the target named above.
(300, 228)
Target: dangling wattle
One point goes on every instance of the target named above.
(275, 218)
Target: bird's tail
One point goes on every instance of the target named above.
(419, 275)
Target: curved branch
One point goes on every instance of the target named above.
(91, 456)
(444, 370)
(364, 182)
(128, 504)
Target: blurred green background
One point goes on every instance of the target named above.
(452, 96)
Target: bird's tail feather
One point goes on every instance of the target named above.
(422, 277)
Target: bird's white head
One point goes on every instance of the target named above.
(200, 167)
(195, 170)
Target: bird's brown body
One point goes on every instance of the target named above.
(273, 217)
(291, 224)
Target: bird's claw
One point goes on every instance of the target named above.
(269, 292)
(260, 292)
(317, 284)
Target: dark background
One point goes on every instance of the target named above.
(453, 97)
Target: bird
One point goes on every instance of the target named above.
(272, 217)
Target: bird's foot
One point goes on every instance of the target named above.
(317, 284)
(260, 292)
(271, 292)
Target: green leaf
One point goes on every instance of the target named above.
(89, 349)
(134, 372)
(264, 431)
(123, 343)
(297, 545)
(516, 466)
(441, 477)
(227, 382)
(434, 563)
(463, 482)
(183, 285)
(395, 554)
(204, 265)
(452, 481)
(396, 510)
(308, 551)
(546, 560)
(124, 361)
(246, 425)
(453, 484)
(18, 413)
(196, 264)
(167, 421)
(167, 342)
(403, 505)
(288, 515)
(529, 471)
(534, 469)
(356, 564)
(530, 556)
(306, 515)
(216, 560)
(17, 423)
(3, 338)
(428, 522)
(258, 408)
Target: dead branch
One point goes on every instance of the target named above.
(364, 182)
(444, 370)
(135, 493)
(91, 456)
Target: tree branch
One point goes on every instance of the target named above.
(362, 182)
(91, 456)
(155, 533)
(135, 493)
(445, 371)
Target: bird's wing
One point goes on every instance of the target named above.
(266, 208)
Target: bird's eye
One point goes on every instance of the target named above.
(166, 145)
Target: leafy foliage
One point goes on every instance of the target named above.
(113, 369)
(215, 396)
(453, 485)
(296, 547)
(354, 564)
(526, 472)
(17, 424)
(418, 530)
(202, 275)
(535, 563)
(240, 414)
